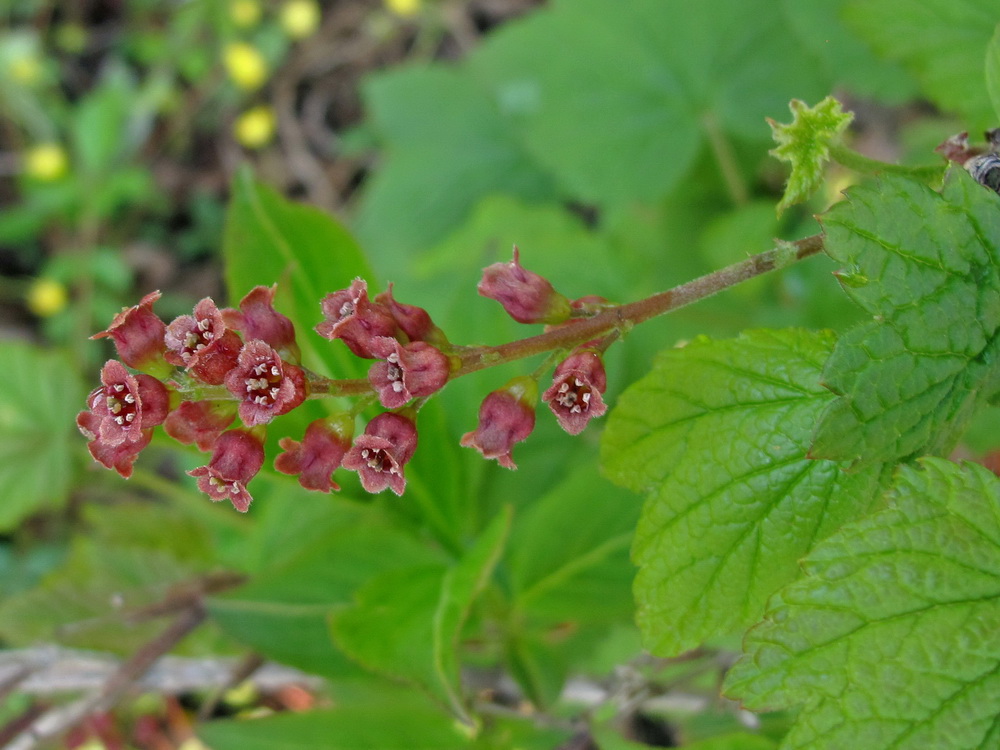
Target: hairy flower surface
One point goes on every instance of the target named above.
(526, 296)
(405, 372)
(319, 454)
(506, 416)
(575, 394)
(138, 334)
(265, 386)
(236, 459)
(380, 454)
(203, 344)
(355, 319)
(256, 318)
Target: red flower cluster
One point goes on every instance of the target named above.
(201, 373)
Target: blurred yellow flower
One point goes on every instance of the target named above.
(255, 127)
(300, 18)
(245, 13)
(405, 8)
(245, 65)
(26, 70)
(46, 297)
(46, 162)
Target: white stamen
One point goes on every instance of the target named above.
(129, 398)
(275, 371)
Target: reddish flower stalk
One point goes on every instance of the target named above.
(380, 454)
(236, 459)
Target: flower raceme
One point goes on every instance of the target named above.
(217, 379)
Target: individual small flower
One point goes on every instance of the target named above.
(257, 319)
(200, 422)
(138, 335)
(355, 319)
(404, 8)
(255, 127)
(265, 386)
(47, 297)
(526, 296)
(299, 18)
(414, 321)
(125, 405)
(575, 394)
(244, 13)
(236, 459)
(506, 416)
(319, 454)
(46, 162)
(119, 457)
(202, 343)
(245, 64)
(379, 455)
(405, 372)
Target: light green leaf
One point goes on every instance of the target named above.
(940, 41)
(269, 239)
(993, 71)
(891, 641)
(38, 438)
(622, 111)
(283, 612)
(446, 147)
(716, 437)
(805, 143)
(393, 724)
(406, 623)
(911, 378)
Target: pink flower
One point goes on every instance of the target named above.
(414, 321)
(354, 319)
(526, 296)
(202, 343)
(119, 457)
(506, 416)
(319, 454)
(379, 455)
(238, 456)
(575, 394)
(405, 372)
(200, 422)
(125, 405)
(138, 336)
(257, 319)
(265, 385)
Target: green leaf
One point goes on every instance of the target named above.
(910, 378)
(269, 239)
(283, 612)
(392, 724)
(716, 437)
(406, 623)
(622, 111)
(447, 147)
(38, 438)
(940, 41)
(993, 71)
(805, 144)
(891, 639)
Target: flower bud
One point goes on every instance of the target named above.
(319, 454)
(257, 319)
(139, 337)
(265, 385)
(526, 296)
(379, 454)
(405, 372)
(506, 416)
(414, 321)
(354, 319)
(203, 344)
(200, 422)
(238, 456)
(575, 394)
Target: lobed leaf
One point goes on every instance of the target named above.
(891, 641)
(716, 437)
(926, 266)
